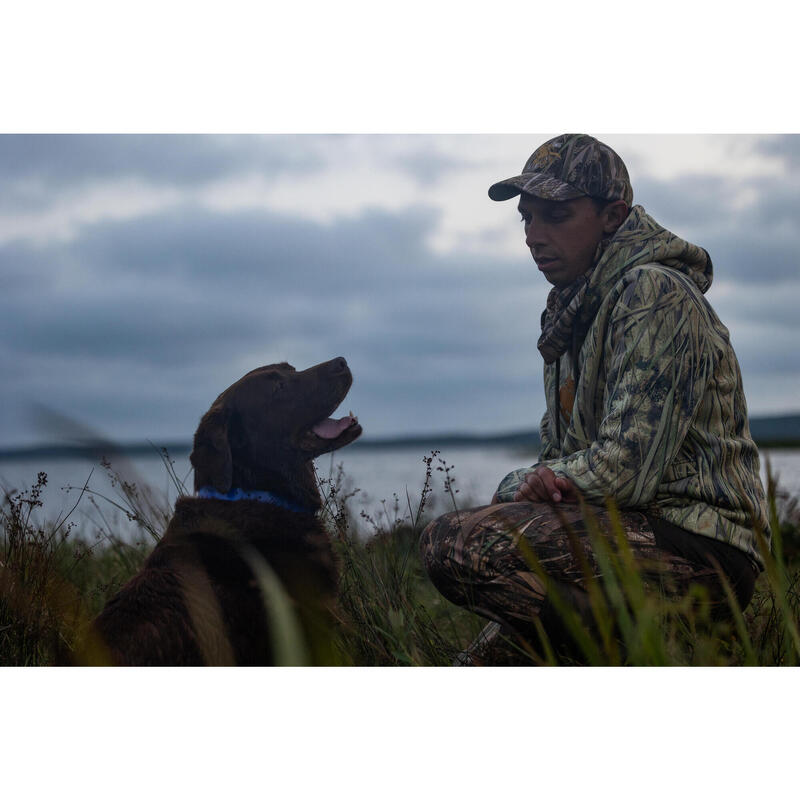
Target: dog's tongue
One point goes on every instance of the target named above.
(331, 428)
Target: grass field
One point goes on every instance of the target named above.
(55, 578)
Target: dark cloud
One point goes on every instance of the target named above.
(758, 358)
(116, 317)
(756, 257)
(693, 201)
(193, 249)
(276, 250)
(58, 160)
(786, 147)
(157, 330)
(428, 167)
(136, 325)
(751, 240)
(776, 205)
(768, 306)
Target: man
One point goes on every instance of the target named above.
(644, 407)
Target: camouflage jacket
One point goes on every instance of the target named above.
(647, 406)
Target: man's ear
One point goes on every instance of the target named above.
(614, 214)
(211, 454)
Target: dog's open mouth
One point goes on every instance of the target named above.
(330, 434)
(332, 428)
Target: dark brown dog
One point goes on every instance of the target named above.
(207, 593)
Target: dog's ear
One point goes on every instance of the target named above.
(211, 454)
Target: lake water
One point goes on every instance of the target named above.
(378, 474)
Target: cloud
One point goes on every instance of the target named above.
(60, 160)
(748, 226)
(762, 256)
(55, 184)
(119, 315)
(692, 203)
(766, 302)
(430, 166)
(139, 318)
(786, 147)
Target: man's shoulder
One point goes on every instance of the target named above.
(657, 273)
(653, 280)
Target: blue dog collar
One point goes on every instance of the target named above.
(207, 493)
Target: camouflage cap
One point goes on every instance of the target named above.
(569, 166)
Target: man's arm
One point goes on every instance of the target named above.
(660, 365)
(548, 447)
(659, 368)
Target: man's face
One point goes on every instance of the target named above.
(562, 236)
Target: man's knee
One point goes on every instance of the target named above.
(437, 546)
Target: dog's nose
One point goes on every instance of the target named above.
(338, 365)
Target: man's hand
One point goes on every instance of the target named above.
(544, 486)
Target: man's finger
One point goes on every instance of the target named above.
(537, 482)
(526, 492)
(539, 486)
(530, 488)
(548, 479)
(567, 488)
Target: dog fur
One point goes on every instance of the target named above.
(199, 597)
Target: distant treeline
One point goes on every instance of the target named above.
(772, 432)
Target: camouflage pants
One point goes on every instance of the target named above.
(483, 559)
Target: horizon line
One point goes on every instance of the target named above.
(525, 437)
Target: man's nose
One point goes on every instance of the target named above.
(534, 234)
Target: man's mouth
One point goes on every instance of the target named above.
(545, 263)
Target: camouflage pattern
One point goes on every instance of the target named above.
(569, 166)
(564, 303)
(649, 400)
(474, 559)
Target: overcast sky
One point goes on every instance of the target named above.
(141, 275)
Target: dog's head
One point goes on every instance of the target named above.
(262, 432)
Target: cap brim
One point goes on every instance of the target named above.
(505, 190)
(538, 185)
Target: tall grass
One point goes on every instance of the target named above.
(391, 614)
(54, 579)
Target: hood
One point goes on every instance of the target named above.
(641, 240)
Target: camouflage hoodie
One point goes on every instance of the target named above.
(647, 405)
